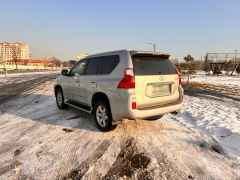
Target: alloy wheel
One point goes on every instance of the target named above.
(101, 116)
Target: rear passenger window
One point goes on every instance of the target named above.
(108, 64)
(92, 66)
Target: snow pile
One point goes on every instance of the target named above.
(219, 119)
(223, 80)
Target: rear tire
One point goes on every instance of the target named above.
(102, 116)
(60, 99)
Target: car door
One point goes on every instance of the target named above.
(89, 80)
(72, 87)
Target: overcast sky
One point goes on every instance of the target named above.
(64, 28)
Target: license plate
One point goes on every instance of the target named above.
(158, 90)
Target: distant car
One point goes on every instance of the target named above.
(121, 85)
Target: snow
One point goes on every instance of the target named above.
(21, 77)
(32, 124)
(222, 80)
(3, 80)
(219, 119)
(28, 73)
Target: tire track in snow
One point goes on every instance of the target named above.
(79, 172)
(129, 162)
(11, 91)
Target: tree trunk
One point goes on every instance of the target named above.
(16, 64)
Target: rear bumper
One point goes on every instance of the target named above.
(121, 108)
(154, 111)
(151, 112)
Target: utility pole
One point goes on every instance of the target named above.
(154, 46)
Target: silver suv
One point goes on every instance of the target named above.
(121, 85)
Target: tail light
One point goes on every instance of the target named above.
(179, 77)
(128, 81)
(134, 105)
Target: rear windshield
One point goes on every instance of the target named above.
(152, 65)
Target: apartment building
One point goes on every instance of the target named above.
(17, 50)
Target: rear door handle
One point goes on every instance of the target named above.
(93, 82)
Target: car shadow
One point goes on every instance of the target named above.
(43, 109)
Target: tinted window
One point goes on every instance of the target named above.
(108, 64)
(152, 65)
(78, 69)
(92, 66)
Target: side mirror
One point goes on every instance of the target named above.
(64, 72)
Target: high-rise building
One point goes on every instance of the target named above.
(17, 50)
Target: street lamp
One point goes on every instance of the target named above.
(154, 46)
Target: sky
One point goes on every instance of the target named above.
(65, 28)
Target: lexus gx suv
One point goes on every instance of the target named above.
(121, 85)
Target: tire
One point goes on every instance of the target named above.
(102, 116)
(60, 99)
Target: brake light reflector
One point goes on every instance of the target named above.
(134, 105)
(179, 77)
(128, 81)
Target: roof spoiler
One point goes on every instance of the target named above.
(149, 53)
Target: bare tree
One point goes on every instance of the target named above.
(4, 63)
(190, 63)
(190, 66)
(55, 62)
(189, 58)
(15, 51)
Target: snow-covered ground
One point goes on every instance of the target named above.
(222, 80)
(216, 118)
(2, 76)
(20, 77)
(28, 73)
(39, 141)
